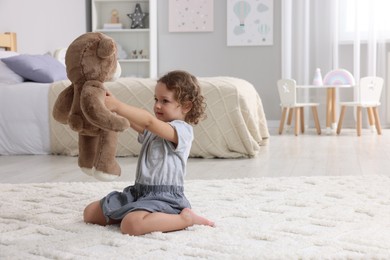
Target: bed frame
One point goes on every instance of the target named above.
(8, 41)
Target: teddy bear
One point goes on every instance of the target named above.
(91, 59)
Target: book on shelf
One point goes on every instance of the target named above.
(112, 26)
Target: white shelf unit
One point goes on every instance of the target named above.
(130, 39)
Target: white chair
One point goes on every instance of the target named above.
(370, 89)
(288, 99)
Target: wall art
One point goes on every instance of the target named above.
(249, 22)
(191, 15)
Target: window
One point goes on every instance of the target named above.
(366, 17)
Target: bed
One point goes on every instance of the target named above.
(235, 127)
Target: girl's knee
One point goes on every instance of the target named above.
(132, 225)
(88, 214)
(93, 214)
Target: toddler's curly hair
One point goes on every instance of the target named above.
(186, 88)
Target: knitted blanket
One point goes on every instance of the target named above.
(235, 127)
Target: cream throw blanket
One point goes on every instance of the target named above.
(235, 126)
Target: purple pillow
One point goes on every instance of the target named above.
(38, 68)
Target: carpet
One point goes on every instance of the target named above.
(264, 218)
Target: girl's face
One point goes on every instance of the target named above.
(166, 108)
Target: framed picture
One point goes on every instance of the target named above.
(191, 15)
(249, 22)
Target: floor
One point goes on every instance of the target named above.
(285, 155)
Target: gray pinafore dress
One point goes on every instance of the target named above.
(159, 179)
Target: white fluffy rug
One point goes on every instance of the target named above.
(265, 218)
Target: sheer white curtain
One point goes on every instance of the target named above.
(349, 34)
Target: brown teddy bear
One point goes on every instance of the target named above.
(91, 60)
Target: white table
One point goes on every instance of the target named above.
(331, 118)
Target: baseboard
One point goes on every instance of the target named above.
(272, 124)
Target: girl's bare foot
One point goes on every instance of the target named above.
(195, 219)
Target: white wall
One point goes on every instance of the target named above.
(207, 54)
(43, 25)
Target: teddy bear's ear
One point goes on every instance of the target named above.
(106, 48)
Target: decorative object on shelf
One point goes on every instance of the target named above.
(114, 16)
(134, 54)
(112, 26)
(121, 54)
(191, 16)
(114, 21)
(317, 80)
(142, 54)
(137, 18)
(138, 54)
(339, 77)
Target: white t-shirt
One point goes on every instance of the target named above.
(160, 162)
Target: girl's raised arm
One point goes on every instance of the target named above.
(141, 119)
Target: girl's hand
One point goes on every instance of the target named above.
(110, 101)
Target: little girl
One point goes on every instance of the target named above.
(156, 202)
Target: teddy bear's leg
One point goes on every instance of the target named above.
(106, 166)
(87, 152)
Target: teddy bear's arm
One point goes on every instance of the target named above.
(63, 105)
(93, 107)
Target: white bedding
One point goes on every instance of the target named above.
(24, 118)
(236, 125)
(24, 105)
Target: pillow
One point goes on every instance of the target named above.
(59, 55)
(38, 68)
(7, 76)
(6, 54)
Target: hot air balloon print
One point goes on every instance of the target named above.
(242, 9)
(249, 22)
